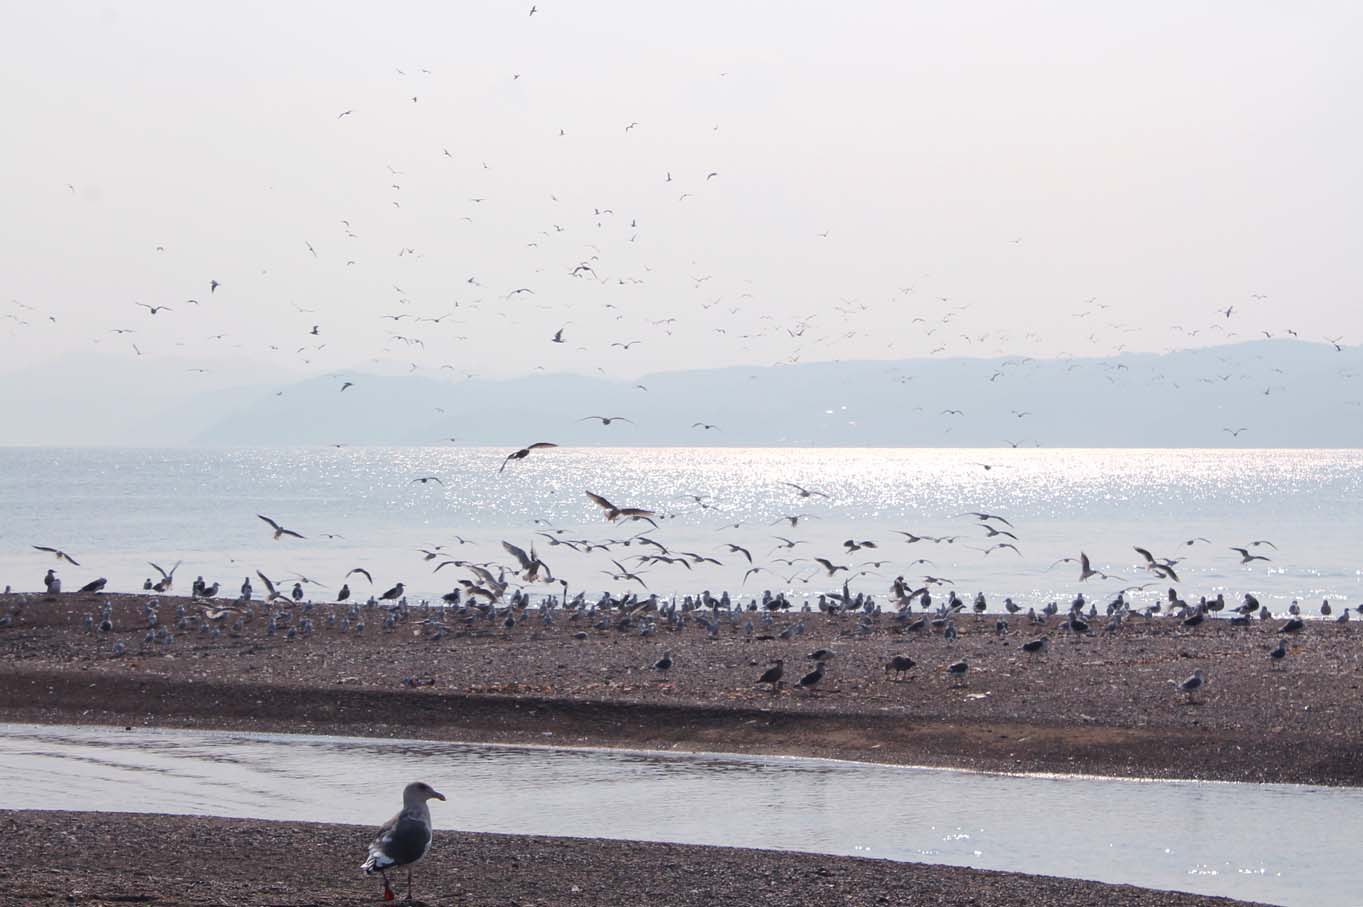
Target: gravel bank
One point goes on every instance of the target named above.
(1097, 704)
(57, 858)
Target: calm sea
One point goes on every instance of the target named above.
(115, 510)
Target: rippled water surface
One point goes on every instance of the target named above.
(116, 509)
(1282, 844)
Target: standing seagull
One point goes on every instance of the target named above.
(405, 838)
(811, 680)
(958, 670)
(772, 675)
(1192, 684)
(899, 664)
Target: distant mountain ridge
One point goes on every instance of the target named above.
(1271, 393)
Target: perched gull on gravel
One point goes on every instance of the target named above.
(1278, 653)
(405, 838)
(811, 680)
(772, 675)
(900, 665)
(1192, 684)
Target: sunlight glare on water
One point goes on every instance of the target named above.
(120, 508)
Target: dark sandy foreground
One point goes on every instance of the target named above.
(1097, 704)
(57, 858)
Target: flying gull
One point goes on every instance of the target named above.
(525, 452)
(279, 531)
(614, 513)
(61, 555)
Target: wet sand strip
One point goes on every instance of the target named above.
(81, 697)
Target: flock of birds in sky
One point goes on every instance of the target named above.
(587, 287)
(424, 328)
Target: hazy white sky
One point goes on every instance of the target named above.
(1168, 159)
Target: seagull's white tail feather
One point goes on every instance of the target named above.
(377, 860)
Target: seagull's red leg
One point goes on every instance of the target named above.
(387, 889)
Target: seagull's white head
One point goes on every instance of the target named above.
(419, 792)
